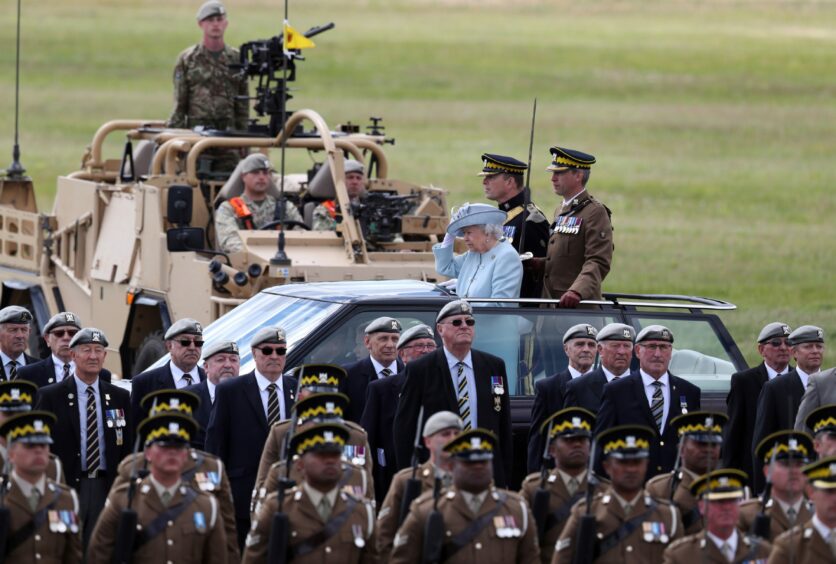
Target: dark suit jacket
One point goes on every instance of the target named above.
(742, 407)
(42, 373)
(360, 374)
(203, 412)
(548, 398)
(378, 420)
(777, 407)
(61, 399)
(625, 403)
(586, 391)
(427, 382)
(29, 360)
(236, 434)
(151, 381)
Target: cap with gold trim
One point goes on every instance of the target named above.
(167, 429)
(321, 407)
(724, 483)
(786, 445)
(33, 427)
(500, 164)
(473, 445)
(626, 442)
(322, 437)
(822, 419)
(569, 422)
(17, 395)
(171, 401)
(702, 426)
(320, 377)
(822, 473)
(565, 159)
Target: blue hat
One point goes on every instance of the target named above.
(496, 164)
(469, 215)
(564, 159)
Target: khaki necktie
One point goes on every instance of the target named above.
(831, 540)
(572, 486)
(791, 515)
(34, 499)
(727, 551)
(166, 498)
(324, 508)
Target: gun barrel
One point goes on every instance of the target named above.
(123, 548)
(316, 30)
(279, 535)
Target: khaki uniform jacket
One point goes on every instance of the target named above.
(263, 212)
(579, 261)
(273, 451)
(609, 516)
(46, 545)
(778, 522)
(660, 488)
(195, 536)
(208, 476)
(353, 542)
(801, 545)
(560, 506)
(697, 549)
(488, 546)
(390, 511)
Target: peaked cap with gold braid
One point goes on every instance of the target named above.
(496, 164)
(787, 444)
(171, 401)
(626, 442)
(822, 419)
(473, 445)
(321, 407)
(822, 473)
(167, 429)
(702, 426)
(322, 437)
(17, 395)
(564, 159)
(320, 377)
(33, 427)
(725, 483)
(569, 422)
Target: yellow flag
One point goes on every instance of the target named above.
(295, 40)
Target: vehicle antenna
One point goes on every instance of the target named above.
(16, 169)
(281, 258)
(527, 187)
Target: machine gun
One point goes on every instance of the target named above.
(379, 215)
(762, 524)
(279, 542)
(676, 477)
(266, 62)
(5, 515)
(123, 548)
(413, 485)
(434, 529)
(585, 541)
(540, 507)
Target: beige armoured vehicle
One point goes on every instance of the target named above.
(130, 245)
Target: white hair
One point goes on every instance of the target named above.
(493, 230)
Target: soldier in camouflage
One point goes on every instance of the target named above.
(325, 214)
(254, 209)
(205, 89)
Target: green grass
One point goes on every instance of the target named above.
(713, 121)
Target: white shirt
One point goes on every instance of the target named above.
(81, 391)
(568, 202)
(805, 378)
(378, 368)
(610, 376)
(211, 388)
(58, 365)
(21, 361)
(575, 373)
(731, 541)
(772, 373)
(452, 361)
(178, 374)
(649, 388)
(263, 382)
(823, 529)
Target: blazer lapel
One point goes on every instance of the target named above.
(596, 385)
(641, 398)
(819, 546)
(447, 378)
(484, 394)
(306, 506)
(254, 396)
(289, 396)
(763, 375)
(165, 380)
(72, 408)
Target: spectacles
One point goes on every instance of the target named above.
(267, 351)
(777, 342)
(428, 347)
(186, 342)
(470, 322)
(64, 332)
(655, 347)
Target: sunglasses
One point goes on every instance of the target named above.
(186, 342)
(431, 347)
(777, 342)
(470, 322)
(64, 332)
(281, 351)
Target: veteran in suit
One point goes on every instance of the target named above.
(44, 523)
(94, 431)
(221, 361)
(183, 341)
(651, 397)
(245, 409)
(783, 454)
(814, 540)
(460, 379)
(481, 523)
(742, 400)
(176, 522)
(630, 525)
(821, 391)
(615, 351)
(15, 324)
(549, 393)
(381, 340)
(719, 494)
(327, 524)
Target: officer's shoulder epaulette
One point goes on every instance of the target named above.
(514, 496)
(663, 501)
(346, 494)
(533, 477)
(354, 427)
(403, 472)
(58, 486)
(689, 540)
(656, 479)
(535, 214)
(424, 497)
(750, 502)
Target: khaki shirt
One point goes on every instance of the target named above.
(696, 549)
(778, 522)
(801, 545)
(227, 223)
(660, 488)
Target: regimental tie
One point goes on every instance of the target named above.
(727, 551)
(166, 498)
(34, 499)
(92, 432)
(791, 515)
(272, 405)
(187, 378)
(461, 392)
(385, 373)
(66, 371)
(572, 485)
(657, 404)
(324, 508)
(12, 369)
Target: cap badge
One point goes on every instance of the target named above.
(833, 469)
(785, 329)
(793, 444)
(590, 330)
(323, 377)
(329, 407)
(631, 441)
(96, 337)
(329, 436)
(69, 317)
(234, 347)
(15, 393)
(626, 333)
(465, 307)
(723, 480)
(709, 422)
(39, 425)
(665, 333)
(174, 403)
(820, 334)
(576, 422)
(174, 428)
(198, 327)
(394, 325)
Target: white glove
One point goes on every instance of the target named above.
(449, 239)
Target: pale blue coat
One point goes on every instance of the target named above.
(494, 274)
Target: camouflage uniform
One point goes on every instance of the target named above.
(227, 224)
(205, 90)
(322, 220)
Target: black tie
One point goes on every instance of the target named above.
(272, 405)
(66, 371)
(386, 372)
(12, 370)
(188, 379)
(92, 432)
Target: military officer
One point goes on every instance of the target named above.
(481, 523)
(44, 521)
(503, 183)
(700, 435)
(254, 209)
(569, 431)
(440, 429)
(783, 455)
(327, 524)
(822, 421)
(722, 542)
(581, 243)
(327, 214)
(15, 323)
(315, 378)
(175, 522)
(206, 92)
(631, 526)
(203, 471)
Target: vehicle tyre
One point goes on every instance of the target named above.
(149, 351)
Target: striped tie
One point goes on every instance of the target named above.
(12, 370)
(464, 399)
(92, 432)
(272, 405)
(385, 373)
(657, 405)
(66, 371)
(187, 378)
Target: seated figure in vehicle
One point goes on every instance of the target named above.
(325, 214)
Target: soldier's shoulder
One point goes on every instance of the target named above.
(750, 504)
(497, 494)
(755, 541)
(229, 50)
(532, 478)
(658, 481)
(535, 214)
(188, 53)
(793, 534)
(352, 426)
(64, 489)
(686, 543)
(209, 459)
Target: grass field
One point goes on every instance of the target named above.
(713, 121)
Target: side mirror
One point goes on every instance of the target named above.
(180, 205)
(184, 239)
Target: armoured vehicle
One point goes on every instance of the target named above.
(130, 247)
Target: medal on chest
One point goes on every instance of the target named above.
(567, 224)
(498, 391)
(506, 527)
(654, 531)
